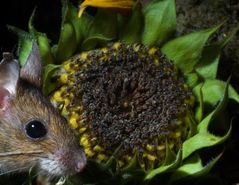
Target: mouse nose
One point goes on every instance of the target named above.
(80, 161)
(79, 166)
(71, 161)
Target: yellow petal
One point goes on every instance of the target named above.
(110, 4)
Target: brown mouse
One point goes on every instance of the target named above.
(32, 132)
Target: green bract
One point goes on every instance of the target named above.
(152, 25)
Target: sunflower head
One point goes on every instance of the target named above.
(125, 97)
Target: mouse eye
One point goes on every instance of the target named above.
(35, 129)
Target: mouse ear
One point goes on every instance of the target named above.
(32, 69)
(9, 76)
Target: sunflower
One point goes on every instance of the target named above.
(125, 95)
(143, 102)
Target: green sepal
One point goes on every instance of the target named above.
(192, 126)
(133, 164)
(168, 167)
(81, 26)
(111, 165)
(66, 12)
(24, 44)
(192, 79)
(102, 30)
(130, 29)
(133, 171)
(24, 49)
(208, 64)
(170, 156)
(42, 41)
(67, 43)
(193, 167)
(48, 84)
(204, 124)
(199, 109)
(31, 27)
(159, 22)
(45, 49)
(213, 90)
(93, 41)
(185, 51)
(203, 138)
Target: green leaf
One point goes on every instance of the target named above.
(102, 29)
(203, 138)
(159, 22)
(208, 64)
(213, 90)
(96, 40)
(186, 51)
(42, 41)
(192, 126)
(199, 109)
(81, 26)
(45, 49)
(67, 43)
(133, 164)
(48, 85)
(31, 28)
(24, 49)
(205, 170)
(65, 13)
(24, 44)
(193, 167)
(192, 79)
(133, 171)
(130, 28)
(163, 169)
(111, 164)
(204, 124)
(170, 155)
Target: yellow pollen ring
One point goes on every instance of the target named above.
(57, 96)
(89, 152)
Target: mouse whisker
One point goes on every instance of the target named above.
(5, 154)
(11, 171)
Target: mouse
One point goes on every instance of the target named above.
(33, 134)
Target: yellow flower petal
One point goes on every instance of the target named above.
(110, 4)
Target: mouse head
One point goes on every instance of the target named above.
(32, 132)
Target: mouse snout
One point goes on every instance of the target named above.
(79, 161)
(80, 165)
(75, 161)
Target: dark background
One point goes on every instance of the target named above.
(202, 13)
(17, 13)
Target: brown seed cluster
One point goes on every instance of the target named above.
(127, 96)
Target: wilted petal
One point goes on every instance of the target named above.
(110, 4)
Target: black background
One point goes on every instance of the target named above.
(17, 13)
